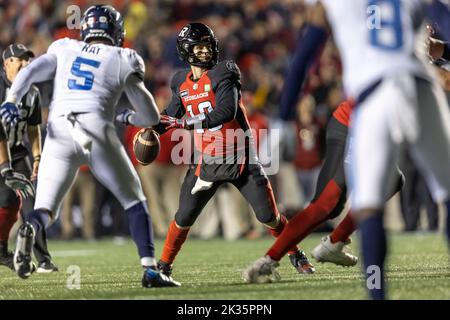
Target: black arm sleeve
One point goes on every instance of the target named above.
(175, 107)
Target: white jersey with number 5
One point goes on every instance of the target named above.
(376, 38)
(90, 77)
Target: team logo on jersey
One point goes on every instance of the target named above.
(184, 93)
(207, 87)
(196, 96)
(195, 86)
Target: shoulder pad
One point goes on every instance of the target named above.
(53, 48)
(178, 78)
(227, 69)
(135, 62)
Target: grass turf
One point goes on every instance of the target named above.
(418, 269)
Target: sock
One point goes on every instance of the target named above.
(8, 216)
(303, 223)
(373, 243)
(174, 240)
(141, 229)
(344, 230)
(40, 219)
(279, 229)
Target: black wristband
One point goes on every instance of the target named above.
(37, 158)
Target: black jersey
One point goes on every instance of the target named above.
(224, 142)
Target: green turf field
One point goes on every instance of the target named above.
(418, 269)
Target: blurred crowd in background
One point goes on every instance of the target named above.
(260, 36)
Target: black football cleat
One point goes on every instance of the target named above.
(6, 259)
(300, 262)
(165, 268)
(47, 267)
(22, 260)
(155, 279)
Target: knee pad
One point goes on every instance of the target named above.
(266, 216)
(185, 219)
(332, 199)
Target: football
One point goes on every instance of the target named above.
(146, 146)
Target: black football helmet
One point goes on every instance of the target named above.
(102, 22)
(194, 34)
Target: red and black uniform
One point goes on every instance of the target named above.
(331, 190)
(214, 102)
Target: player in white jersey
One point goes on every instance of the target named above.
(398, 103)
(89, 77)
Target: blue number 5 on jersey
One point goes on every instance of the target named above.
(87, 75)
(389, 35)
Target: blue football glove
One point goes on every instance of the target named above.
(124, 116)
(9, 113)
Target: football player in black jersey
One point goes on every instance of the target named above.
(206, 98)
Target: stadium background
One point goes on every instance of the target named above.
(260, 35)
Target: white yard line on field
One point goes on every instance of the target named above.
(73, 253)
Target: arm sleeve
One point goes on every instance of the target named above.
(225, 110)
(141, 99)
(39, 70)
(309, 46)
(175, 107)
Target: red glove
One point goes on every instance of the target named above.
(172, 122)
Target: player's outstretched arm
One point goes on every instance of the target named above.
(41, 69)
(142, 100)
(309, 46)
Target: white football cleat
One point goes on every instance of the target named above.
(335, 253)
(262, 271)
(22, 260)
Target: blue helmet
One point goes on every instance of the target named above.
(102, 22)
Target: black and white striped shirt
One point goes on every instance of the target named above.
(30, 114)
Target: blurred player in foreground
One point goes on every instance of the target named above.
(89, 76)
(398, 103)
(328, 203)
